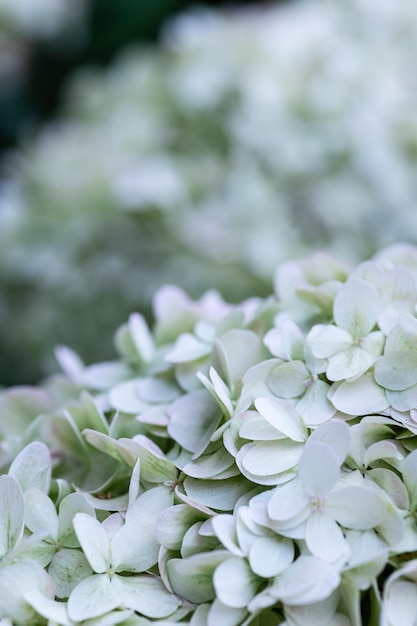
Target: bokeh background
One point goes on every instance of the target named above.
(144, 143)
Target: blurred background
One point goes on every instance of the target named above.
(144, 143)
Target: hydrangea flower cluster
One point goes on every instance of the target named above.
(290, 125)
(243, 465)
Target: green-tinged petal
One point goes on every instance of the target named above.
(68, 568)
(40, 513)
(134, 547)
(32, 467)
(270, 457)
(220, 495)
(325, 539)
(357, 507)
(93, 596)
(12, 510)
(193, 419)
(192, 578)
(154, 466)
(403, 400)
(308, 580)
(94, 541)
(282, 416)
(173, 523)
(329, 341)
(288, 380)
(235, 583)
(209, 465)
(319, 469)
(362, 396)
(146, 595)
(397, 370)
(349, 363)
(270, 556)
(196, 541)
(356, 307)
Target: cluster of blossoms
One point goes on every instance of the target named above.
(242, 465)
(241, 141)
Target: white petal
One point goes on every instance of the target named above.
(11, 513)
(187, 348)
(235, 583)
(134, 547)
(308, 580)
(330, 340)
(270, 457)
(325, 539)
(221, 614)
(319, 469)
(356, 307)
(70, 505)
(94, 541)
(360, 397)
(93, 596)
(32, 467)
(397, 370)
(282, 416)
(349, 363)
(287, 501)
(50, 609)
(270, 556)
(40, 514)
(141, 336)
(224, 527)
(314, 407)
(401, 603)
(288, 380)
(356, 507)
(193, 419)
(335, 434)
(146, 594)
